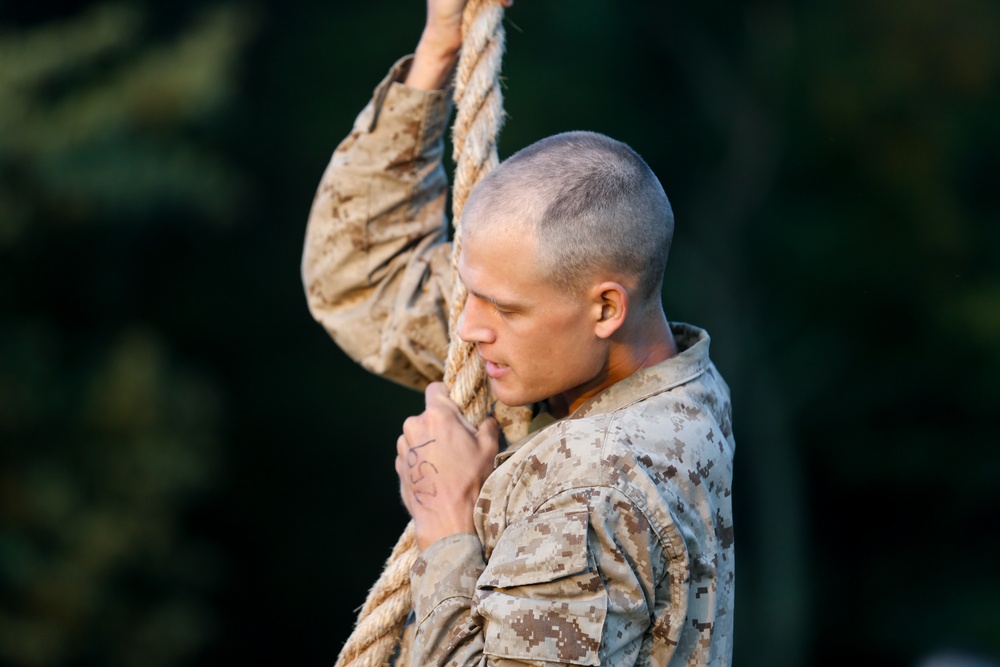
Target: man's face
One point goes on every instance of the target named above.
(537, 341)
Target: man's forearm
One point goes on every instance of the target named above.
(433, 62)
(439, 45)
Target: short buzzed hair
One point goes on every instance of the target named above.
(591, 202)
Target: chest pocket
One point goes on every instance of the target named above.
(539, 597)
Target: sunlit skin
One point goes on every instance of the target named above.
(538, 342)
(437, 51)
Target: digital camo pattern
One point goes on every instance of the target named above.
(545, 549)
(374, 237)
(605, 538)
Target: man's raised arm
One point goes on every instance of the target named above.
(375, 266)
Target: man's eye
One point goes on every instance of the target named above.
(501, 312)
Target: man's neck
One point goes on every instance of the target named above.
(647, 345)
(653, 343)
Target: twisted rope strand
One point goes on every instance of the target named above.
(478, 120)
(384, 612)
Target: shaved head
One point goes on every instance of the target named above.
(590, 203)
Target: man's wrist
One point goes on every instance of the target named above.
(446, 570)
(433, 62)
(427, 533)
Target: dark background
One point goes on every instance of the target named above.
(191, 472)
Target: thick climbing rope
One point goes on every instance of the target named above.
(478, 119)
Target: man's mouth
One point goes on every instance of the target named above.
(495, 370)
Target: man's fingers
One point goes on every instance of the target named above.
(437, 397)
(435, 390)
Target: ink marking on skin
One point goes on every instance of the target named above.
(413, 461)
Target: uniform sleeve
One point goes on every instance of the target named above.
(442, 586)
(376, 267)
(572, 583)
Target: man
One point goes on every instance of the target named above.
(603, 536)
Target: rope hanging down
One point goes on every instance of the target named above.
(478, 119)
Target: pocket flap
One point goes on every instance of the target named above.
(541, 548)
(539, 600)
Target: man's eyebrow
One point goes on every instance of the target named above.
(494, 301)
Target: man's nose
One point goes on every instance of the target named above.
(473, 323)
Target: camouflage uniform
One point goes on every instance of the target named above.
(605, 538)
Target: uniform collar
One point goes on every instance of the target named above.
(691, 361)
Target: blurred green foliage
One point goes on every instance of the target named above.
(107, 433)
(96, 122)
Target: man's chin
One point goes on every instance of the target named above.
(508, 397)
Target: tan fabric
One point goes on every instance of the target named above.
(605, 538)
(377, 276)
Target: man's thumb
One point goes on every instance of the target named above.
(488, 435)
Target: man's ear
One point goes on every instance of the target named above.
(611, 302)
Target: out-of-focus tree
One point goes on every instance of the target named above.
(895, 177)
(107, 433)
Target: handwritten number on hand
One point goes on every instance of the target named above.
(413, 460)
(422, 474)
(413, 456)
